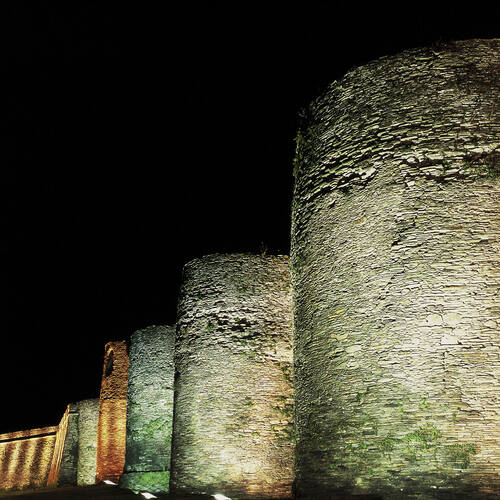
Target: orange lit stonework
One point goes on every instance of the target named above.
(26, 457)
(111, 431)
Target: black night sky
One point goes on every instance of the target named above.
(139, 136)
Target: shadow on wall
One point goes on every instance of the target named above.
(87, 446)
(31, 458)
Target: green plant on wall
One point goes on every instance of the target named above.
(363, 443)
(460, 454)
(483, 164)
(154, 427)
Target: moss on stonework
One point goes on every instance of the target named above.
(460, 454)
(483, 164)
(151, 482)
(286, 370)
(150, 430)
(361, 446)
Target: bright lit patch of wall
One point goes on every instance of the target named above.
(26, 458)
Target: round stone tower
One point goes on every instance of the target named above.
(396, 278)
(233, 389)
(150, 401)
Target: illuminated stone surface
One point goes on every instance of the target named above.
(69, 463)
(150, 410)
(111, 428)
(26, 458)
(233, 399)
(88, 410)
(78, 464)
(396, 272)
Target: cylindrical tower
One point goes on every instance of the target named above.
(396, 277)
(233, 388)
(150, 401)
(111, 427)
(78, 464)
(88, 415)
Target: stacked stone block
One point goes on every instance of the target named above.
(111, 429)
(88, 413)
(26, 458)
(233, 390)
(150, 410)
(395, 274)
(78, 465)
(69, 464)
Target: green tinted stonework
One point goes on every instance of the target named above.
(149, 410)
(233, 390)
(69, 461)
(78, 464)
(396, 277)
(88, 414)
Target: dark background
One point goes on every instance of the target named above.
(136, 137)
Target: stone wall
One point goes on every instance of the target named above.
(69, 463)
(26, 458)
(396, 278)
(233, 389)
(111, 429)
(150, 410)
(88, 410)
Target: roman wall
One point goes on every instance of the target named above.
(111, 428)
(396, 277)
(393, 302)
(32, 458)
(149, 410)
(26, 458)
(88, 413)
(78, 465)
(233, 431)
(69, 462)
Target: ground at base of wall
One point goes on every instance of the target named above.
(97, 492)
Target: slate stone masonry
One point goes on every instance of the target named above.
(150, 400)
(396, 277)
(233, 390)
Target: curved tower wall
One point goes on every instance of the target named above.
(88, 414)
(233, 390)
(150, 410)
(78, 464)
(396, 278)
(111, 428)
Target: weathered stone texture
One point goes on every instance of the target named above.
(26, 458)
(111, 429)
(233, 389)
(88, 410)
(69, 463)
(396, 278)
(58, 450)
(78, 465)
(150, 410)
